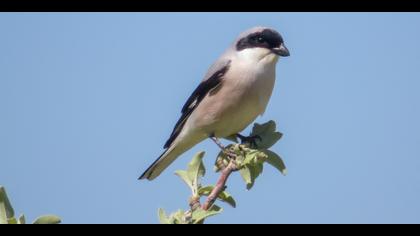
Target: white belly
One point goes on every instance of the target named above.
(249, 105)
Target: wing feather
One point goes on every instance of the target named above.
(210, 82)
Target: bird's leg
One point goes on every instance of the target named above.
(220, 145)
(251, 140)
(217, 142)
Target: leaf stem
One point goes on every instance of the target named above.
(194, 202)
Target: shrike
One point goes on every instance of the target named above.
(235, 90)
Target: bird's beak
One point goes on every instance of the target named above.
(281, 51)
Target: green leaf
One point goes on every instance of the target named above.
(5, 206)
(12, 221)
(257, 170)
(196, 167)
(223, 196)
(253, 157)
(184, 176)
(22, 220)
(178, 217)
(205, 191)
(47, 219)
(250, 173)
(199, 215)
(276, 161)
(3, 217)
(163, 219)
(252, 166)
(268, 134)
(194, 171)
(246, 176)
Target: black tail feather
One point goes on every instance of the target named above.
(145, 173)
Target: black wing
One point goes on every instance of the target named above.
(199, 93)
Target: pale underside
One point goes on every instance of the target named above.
(234, 104)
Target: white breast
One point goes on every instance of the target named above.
(249, 84)
(258, 74)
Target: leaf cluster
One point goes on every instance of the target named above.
(249, 161)
(7, 214)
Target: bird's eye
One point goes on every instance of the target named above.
(257, 39)
(260, 39)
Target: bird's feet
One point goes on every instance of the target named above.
(251, 140)
(228, 153)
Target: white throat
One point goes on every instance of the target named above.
(257, 55)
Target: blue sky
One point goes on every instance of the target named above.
(88, 100)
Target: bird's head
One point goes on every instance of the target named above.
(261, 42)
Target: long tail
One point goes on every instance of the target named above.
(159, 165)
(167, 157)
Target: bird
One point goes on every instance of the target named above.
(233, 93)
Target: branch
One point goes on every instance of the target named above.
(235, 157)
(220, 185)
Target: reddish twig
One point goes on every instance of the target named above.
(220, 185)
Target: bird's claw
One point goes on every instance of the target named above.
(251, 140)
(231, 155)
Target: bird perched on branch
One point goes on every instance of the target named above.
(235, 90)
